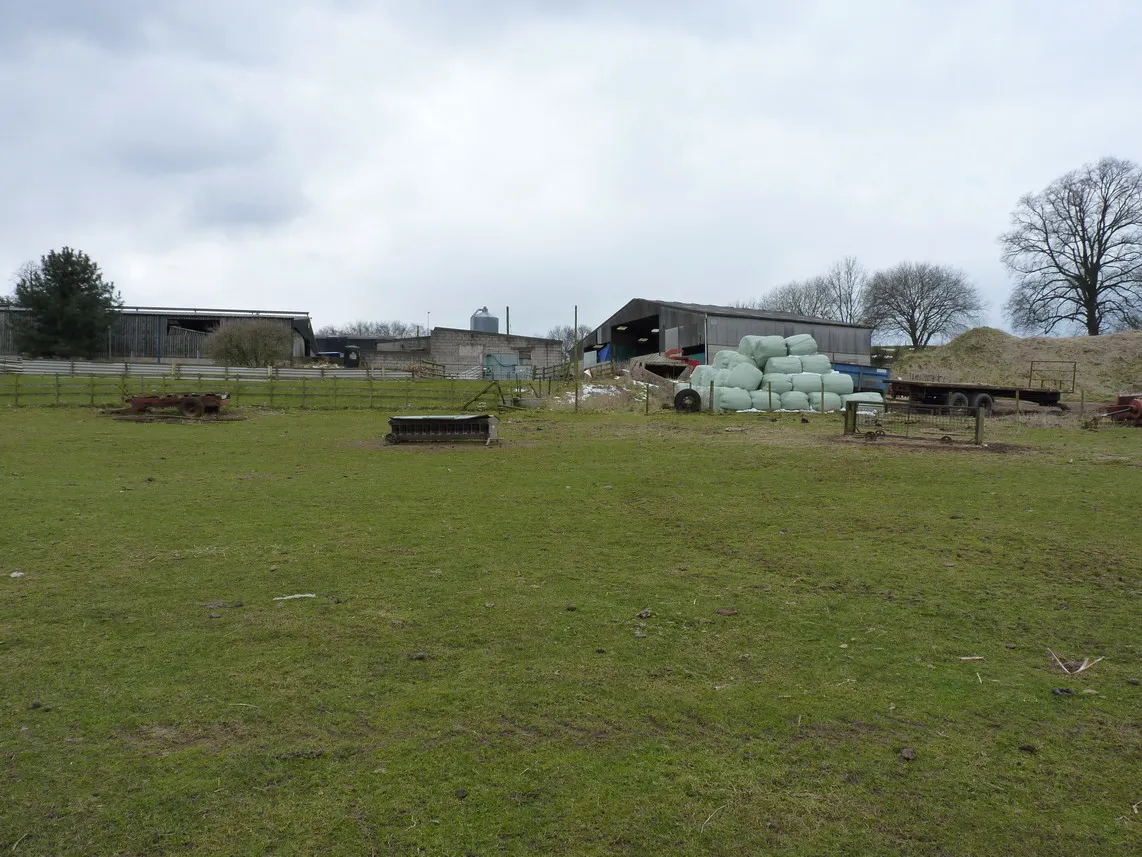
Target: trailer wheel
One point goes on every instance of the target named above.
(956, 402)
(193, 408)
(983, 401)
(688, 402)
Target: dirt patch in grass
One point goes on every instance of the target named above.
(426, 447)
(162, 739)
(933, 446)
(837, 732)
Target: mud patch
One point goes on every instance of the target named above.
(932, 446)
(176, 418)
(474, 446)
(162, 739)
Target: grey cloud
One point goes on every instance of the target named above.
(229, 30)
(112, 23)
(449, 154)
(244, 201)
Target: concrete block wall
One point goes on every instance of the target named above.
(461, 349)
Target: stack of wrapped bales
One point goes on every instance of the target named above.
(774, 373)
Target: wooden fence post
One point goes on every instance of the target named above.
(16, 390)
(303, 391)
(57, 388)
(91, 379)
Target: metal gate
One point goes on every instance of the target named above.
(917, 422)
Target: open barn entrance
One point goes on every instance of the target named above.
(634, 338)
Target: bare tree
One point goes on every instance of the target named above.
(260, 342)
(569, 337)
(922, 301)
(378, 329)
(837, 294)
(801, 297)
(1075, 250)
(846, 282)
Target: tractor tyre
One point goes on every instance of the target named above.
(688, 402)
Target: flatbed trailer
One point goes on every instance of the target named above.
(957, 394)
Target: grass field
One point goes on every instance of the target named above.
(473, 675)
(258, 391)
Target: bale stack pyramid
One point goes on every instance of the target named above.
(774, 373)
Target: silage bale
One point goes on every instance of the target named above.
(832, 402)
(795, 400)
(806, 382)
(744, 376)
(838, 382)
(779, 382)
(818, 363)
(782, 365)
(721, 377)
(765, 400)
(703, 376)
(732, 399)
(868, 401)
(761, 348)
(727, 358)
(799, 344)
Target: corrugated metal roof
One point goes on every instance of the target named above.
(742, 312)
(242, 313)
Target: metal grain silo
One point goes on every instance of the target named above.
(484, 321)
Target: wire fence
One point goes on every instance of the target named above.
(17, 390)
(918, 422)
(200, 371)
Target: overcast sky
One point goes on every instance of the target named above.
(387, 160)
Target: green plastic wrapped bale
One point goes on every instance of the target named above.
(727, 358)
(818, 363)
(874, 401)
(744, 376)
(703, 376)
(795, 401)
(838, 382)
(721, 377)
(832, 402)
(732, 399)
(782, 365)
(761, 348)
(800, 344)
(806, 382)
(764, 400)
(780, 383)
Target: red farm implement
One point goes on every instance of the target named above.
(192, 405)
(1126, 411)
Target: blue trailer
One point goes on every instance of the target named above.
(866, 379)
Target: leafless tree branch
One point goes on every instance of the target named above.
(1075, 251)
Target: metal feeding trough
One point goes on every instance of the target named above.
(443, 429)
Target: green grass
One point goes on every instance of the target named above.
(860, 574)
(250, 390)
